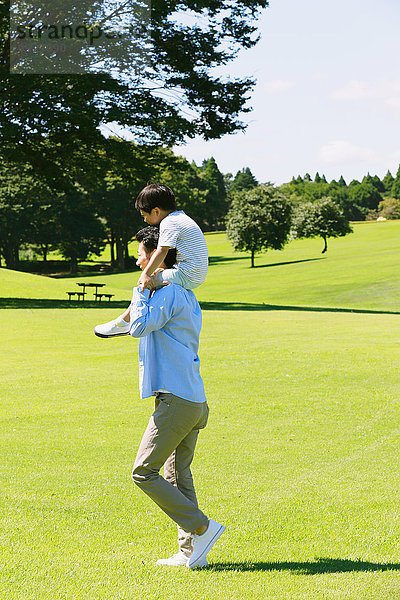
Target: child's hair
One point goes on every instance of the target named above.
(155, 194)
(149, 237)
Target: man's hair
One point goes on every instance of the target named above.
(155, 194)
(149, 237)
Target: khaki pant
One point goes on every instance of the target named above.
(170, 440)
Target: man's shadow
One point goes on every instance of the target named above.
(317, 567)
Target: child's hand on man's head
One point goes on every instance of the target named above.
(145, 282)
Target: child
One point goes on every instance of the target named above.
(157, 206)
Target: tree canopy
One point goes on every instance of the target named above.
(259, 219)
(243, 180)
(319, 219)
(176, 93)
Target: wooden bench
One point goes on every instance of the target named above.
(100, 296)
(79, 294)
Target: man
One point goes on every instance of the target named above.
(168, 322)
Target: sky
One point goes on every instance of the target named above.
(327, 97)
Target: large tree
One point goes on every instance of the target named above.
(319, 219)
(396, 185)
(176, 93)
(259, 219)
(243, 180)
(364, 196)
(388, 182)
(213, 184)
(23, 196)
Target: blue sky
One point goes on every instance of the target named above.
(327, 97)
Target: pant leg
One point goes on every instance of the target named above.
(177, 276)
(173, 419)
(177, 472)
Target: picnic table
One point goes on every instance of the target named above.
(91, 285)
(97, 296)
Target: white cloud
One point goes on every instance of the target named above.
(383, 91)
(278, 86)
(355, 90)
(343, 151)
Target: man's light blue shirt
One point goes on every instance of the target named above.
(168, 324)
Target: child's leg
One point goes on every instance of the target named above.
(126, 316)
(177, 276)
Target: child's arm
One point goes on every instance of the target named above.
(155, 261)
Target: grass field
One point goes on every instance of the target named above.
(300, 459)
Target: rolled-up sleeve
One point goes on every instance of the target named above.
(146, 318)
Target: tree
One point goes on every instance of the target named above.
(259, 219)
(216, 204)
(375, 181)
(365, 196)
(244, 180)
(81, 233)
(319, 219)
(176, 92)
(23, 199)
(396, 185)
(389, 208)
(388, 182)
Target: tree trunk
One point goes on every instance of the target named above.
(126, 255)
(325, 245)
(120, 253)
(112, 249)
(45, 250)
(252, 258)
(11, 256)
(73, 264)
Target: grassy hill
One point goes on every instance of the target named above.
(361, 270)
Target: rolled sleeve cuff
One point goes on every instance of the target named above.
(139, 296)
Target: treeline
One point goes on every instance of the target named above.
(363, 200)
(78, 205)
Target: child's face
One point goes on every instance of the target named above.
(154, 217)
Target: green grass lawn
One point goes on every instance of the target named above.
(300, 458)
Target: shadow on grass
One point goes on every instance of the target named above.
(319, 566)
(94, 273)
(49, 303)
(290, 262)
(58, 269)
(221, 259)
(35, 303)
(271, 307)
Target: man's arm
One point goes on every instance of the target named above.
(147, 317)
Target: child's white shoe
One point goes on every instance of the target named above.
(112, 328)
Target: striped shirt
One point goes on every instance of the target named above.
(178, 230)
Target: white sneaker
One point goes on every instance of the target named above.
(177, 560)
(202, 544)
(112, 328)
